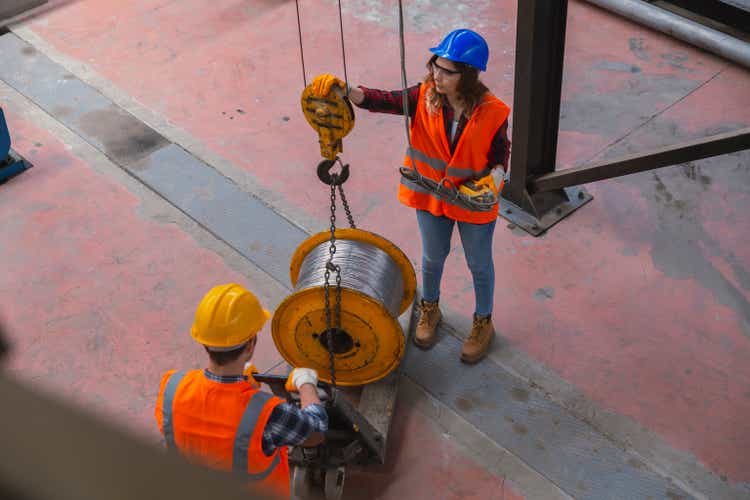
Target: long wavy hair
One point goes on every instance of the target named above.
(470, 89)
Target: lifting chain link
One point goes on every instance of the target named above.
(346, 207)
(333, 324)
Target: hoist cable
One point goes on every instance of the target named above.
(405, 91)
(343, 49)
(301, 51)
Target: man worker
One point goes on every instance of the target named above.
(218, 417)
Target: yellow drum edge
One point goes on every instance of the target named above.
(371, 348)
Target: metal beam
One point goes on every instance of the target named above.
(688, 151)
(11, 8)
(726, 12)
(681, 28)
(540, 47)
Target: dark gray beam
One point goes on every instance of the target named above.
(681, 28)
(11, 8)
(688, 151)
(540, 46)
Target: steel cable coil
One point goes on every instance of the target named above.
(377, 285)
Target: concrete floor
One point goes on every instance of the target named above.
(632, 314)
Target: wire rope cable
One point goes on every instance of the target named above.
(368, 270)
(301, 49)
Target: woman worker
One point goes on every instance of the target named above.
(459, 132)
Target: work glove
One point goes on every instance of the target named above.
(249, 371)
(321, 85)
(493, 181)
(498, 177)
(300, 377)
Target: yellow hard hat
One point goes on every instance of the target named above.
(228, 317)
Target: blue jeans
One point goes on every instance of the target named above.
(477, 242)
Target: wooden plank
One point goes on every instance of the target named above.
(378, 400)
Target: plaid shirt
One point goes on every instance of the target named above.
(287, 425)
(391, 101)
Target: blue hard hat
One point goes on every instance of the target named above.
(464, 46)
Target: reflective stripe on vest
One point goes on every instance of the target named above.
(423, 190)
(439, 166)
(468, 173)
(167, 424)
(436, 164)
(242, 438)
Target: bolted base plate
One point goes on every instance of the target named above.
(576, 198)
(11, 166)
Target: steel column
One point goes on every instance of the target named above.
(11, 8)
(540, 47)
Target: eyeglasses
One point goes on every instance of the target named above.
(448, 72)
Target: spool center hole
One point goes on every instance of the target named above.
(342, 341)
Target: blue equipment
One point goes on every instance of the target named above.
(10, 163)
(464, 46)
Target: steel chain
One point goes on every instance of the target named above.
(330, 266)
(333, 325)
(346, 207)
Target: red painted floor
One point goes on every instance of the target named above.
(98, 300)
(648, 313)
(421, 467)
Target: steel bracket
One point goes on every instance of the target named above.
(12, 165)
(544, 209)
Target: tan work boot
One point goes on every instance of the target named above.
(429, 317)
(476, 346)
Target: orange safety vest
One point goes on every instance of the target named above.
(431, 150)
(221, 426)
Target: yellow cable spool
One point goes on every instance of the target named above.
(378, 284)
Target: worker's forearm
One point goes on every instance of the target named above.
(308, 395)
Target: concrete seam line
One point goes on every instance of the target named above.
(651, 118)
(244, 179)
(681, 467)
(100, 163)
(533, 483)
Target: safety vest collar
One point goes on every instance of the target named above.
(223, 379)
(468, 173)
